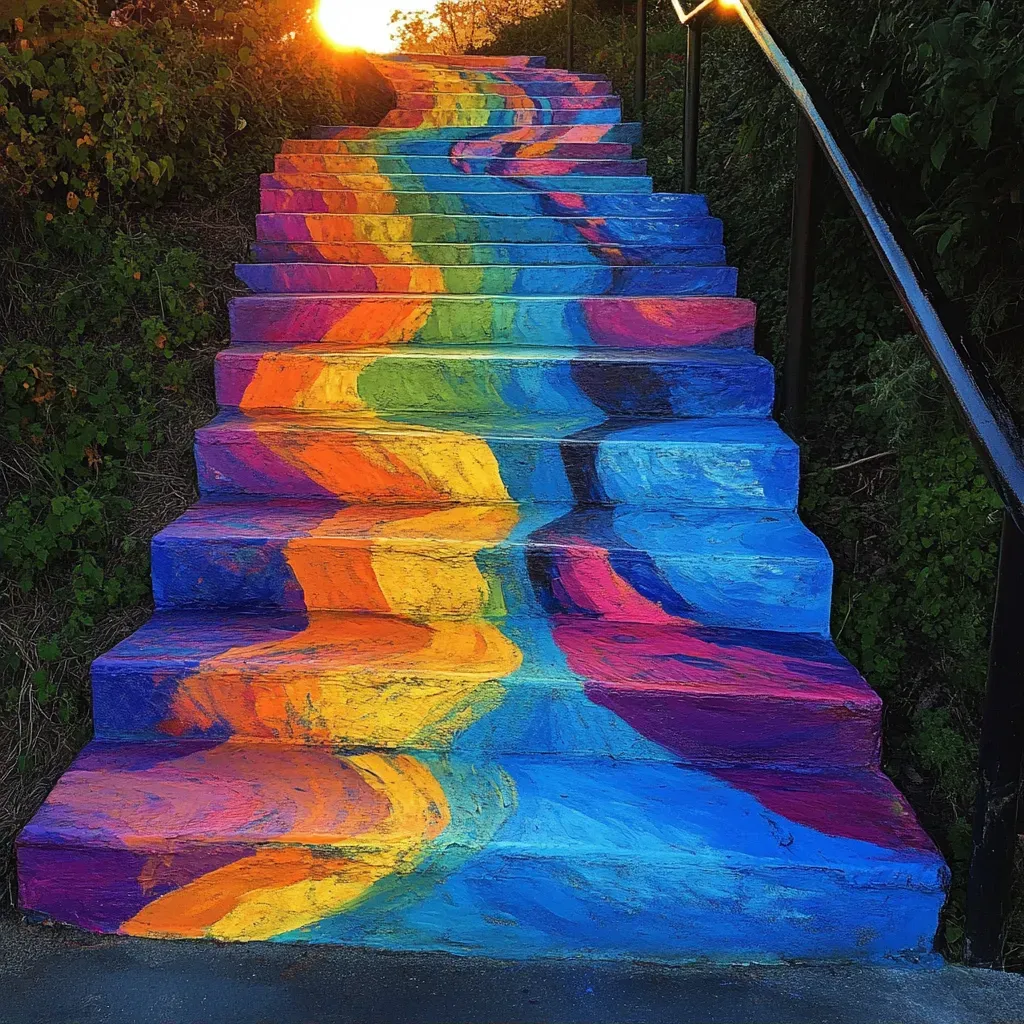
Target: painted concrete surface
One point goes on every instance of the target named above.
(62, 976)
(496, 631)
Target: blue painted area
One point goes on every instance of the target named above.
(625, 131)
(642, 860)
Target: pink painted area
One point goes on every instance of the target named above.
(662, 323)
(855, 807)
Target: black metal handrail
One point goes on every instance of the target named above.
(968, 374)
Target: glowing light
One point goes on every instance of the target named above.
(357, 24)
(733, 5)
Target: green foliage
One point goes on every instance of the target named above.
(934, 92)
(127, 189)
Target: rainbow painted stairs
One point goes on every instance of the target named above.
(495, 630)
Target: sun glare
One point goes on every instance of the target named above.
(358, 24)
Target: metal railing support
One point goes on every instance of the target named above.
(801, 277)
(994, 842)
(691, 126)
(640, 74)
(569, 36)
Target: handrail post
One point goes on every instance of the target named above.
(569, 39)
(801, 277)
(691, 124)
(1000, 762)
(640, 74)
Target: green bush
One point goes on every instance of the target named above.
(933, 91)
(127, 189)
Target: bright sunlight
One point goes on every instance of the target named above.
(363, 24)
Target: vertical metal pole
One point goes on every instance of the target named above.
(1000, 762)
(692, 107)
(640, 75)
(801, 278)
(569, 41)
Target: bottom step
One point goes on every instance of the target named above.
(516, 857)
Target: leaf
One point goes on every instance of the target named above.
(981, 124)
(946, 237)
(873, 100)
(939, 150)
(900, 124)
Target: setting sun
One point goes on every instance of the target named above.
(362, 24)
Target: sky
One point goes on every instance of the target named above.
(364, 23)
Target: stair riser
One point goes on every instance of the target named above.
(497, 118)
(330, 227)
(517, 204)
(368, 253)
(629, 132)
(336, 163)
(482, 149)
(520, 714)
(389, 386)
(466, 583)
(310, 278)
(636, 323)
(453, 182)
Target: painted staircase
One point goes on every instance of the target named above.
(495, 630)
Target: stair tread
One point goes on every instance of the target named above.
(487, 253)
(431, 182)
(163, 796)
(381, 647)
(732, 357)
(693, 532)
(397, 279)
(742, 432)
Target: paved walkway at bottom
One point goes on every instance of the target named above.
(68, 977)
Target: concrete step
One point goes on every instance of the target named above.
(488, 254)
(337, 163)
(527, 686)
(503, 381)
(736, 568)
(266, 840)
(497, 118)
(431, 227)
(284, 278)
(719, 462)
(482, 62)
(454, 182)
(626, 131)
(434, 100)
(454, 84)
(441, 148)
(490, 204)
(604, 321)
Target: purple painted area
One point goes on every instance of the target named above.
(99, 888)
(731, 727)
(241, 463)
